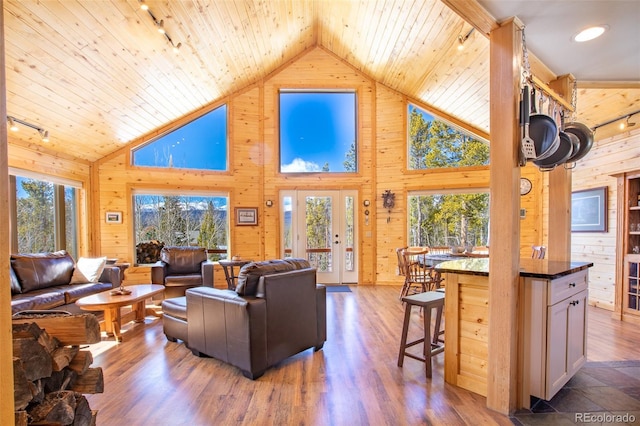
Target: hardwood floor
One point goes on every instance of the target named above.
(353, 380)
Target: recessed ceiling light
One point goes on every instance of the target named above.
(590, 33)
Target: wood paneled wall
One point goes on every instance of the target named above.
(607, 157)
(253, 178)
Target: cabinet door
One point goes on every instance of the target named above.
(577, 332)
(557, 343)
(566, 341)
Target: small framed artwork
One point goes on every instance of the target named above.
(589, 210)
(246, 216)
(113, 217)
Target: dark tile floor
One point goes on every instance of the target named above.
(601, 393)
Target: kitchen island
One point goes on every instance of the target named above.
(552, 307)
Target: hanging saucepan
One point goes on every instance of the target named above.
(560, 155)
(542, 129)
(585, 136)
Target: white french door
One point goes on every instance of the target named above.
(321, 226)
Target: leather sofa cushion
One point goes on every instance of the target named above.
(45, 298)
(175, 307)
(183, 260)
(15, 284)
(76, 291)
(183, 280)
(42, 270)
(250, 273)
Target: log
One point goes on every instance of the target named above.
(59, 380)
(23, 388)
(57, 407)
(36, 361)
(83, 415)
(81, 362)
(62, 356)
(32, 329)
(20, 418)
(70, 330)
(90, 382)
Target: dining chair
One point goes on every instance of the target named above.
(400, 254)
(538, 252)
(440, 250)
(418, 276)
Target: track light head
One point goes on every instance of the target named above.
(44, 135)
(12, 125)
(160, 25)
(143, 5)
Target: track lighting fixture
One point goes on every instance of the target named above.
(160, 26)
(44, 134)
(462, 39)
(622, 125)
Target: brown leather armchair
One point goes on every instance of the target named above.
(181, 268)
(276, 311)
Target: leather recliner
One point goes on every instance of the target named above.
(181, 268)
(276, 311)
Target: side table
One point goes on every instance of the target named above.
(229, 272)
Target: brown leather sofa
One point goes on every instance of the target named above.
(181, 268)
(276, 311)
(43, 281)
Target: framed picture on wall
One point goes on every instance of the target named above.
(246, 216)
(113, 217)
(589, 210)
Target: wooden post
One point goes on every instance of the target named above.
(504, 263)
(6, 352)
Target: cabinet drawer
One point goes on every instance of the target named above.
(567, 286)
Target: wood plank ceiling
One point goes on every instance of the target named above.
(98, 75)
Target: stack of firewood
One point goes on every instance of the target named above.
(52, 372)
(148, 252)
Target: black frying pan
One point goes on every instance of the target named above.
(544, 132)
(584, 134)
(559, 155)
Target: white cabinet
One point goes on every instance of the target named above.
(554, 340)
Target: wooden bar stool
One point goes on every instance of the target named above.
(427, 301)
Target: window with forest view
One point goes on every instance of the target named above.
(46, 214)
(176, 220)
(199, 144)
(432, 143)
(449, 219)
(318, 131)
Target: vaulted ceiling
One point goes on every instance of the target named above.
(98, 74)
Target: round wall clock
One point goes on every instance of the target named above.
(525, 186)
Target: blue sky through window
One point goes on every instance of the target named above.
(316, 128)
(199, 144)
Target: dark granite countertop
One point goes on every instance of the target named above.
(546, 269)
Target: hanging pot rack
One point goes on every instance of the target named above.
(529, 78)
(544, 88)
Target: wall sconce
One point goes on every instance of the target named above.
(463, 39)
(269, 203)
(366, 203)
(44, 134)
(160, 25)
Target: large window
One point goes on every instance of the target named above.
(318, 131)
(433, 143)
(166, 219)
(45, 216)
(452, 219)
(199, 144)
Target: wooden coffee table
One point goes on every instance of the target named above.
(111, 304)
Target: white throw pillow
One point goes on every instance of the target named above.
(88, 270)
